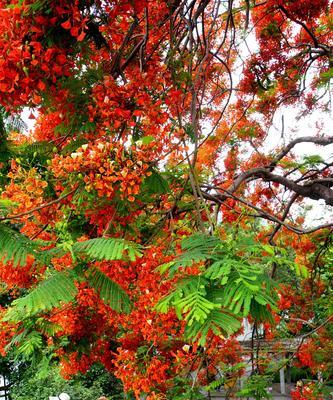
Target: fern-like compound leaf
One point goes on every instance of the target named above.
(59, 288)
(109, 291)
(108, 249)
(14, 246)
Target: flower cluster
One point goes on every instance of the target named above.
(106, 168)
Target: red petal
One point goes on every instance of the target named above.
(81, 36)
(67, 24)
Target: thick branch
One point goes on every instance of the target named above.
(315, 189)
(312, 190)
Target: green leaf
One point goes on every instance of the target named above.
(109, 291)
(234, 281)
(6, 204)
(73, 146)
(165, 267)
(220, 268)
(196, 248)
(164, 304)
(200, 241)
(301, 270)
(42, 148)
(145, 140)
(219, 320)
(156, 184)
(59, 288)
(269, 249)
(108, 249)
(14, 246)
(47, 327)
(190, 132)
(312, 160)
(32, 341)
(185, 260)
(196, 307)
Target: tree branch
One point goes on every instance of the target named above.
(9, 217)
(221, 198)
(322, 141)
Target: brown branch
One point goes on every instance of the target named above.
(322, 141)
(284, 216)
(312, 189)
(302, 24)
(39, 232)
(221, 198)
(115, 66)
(316, 189)
(303, 337)
(9, 217)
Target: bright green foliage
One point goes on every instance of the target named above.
(14, 246)
(28, 343)
(192, 300)
(73, 146)
(196, 248)
(219, 321)
(234, 282)
(35, 149)
(109, 291)
(5, 206)
(256, 387)
(57, 289)
(29, 384)
(108, 249)
(156, 183)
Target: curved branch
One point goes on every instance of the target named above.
(312, 190)
(302, 24)
(22, 214)
(315, 189)
(284, 216)
(321, 140)
(221, 198)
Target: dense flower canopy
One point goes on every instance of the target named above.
(146, 214)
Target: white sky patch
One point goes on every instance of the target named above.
(28, 121)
